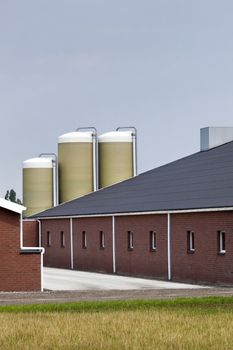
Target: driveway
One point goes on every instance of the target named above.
(61, 280)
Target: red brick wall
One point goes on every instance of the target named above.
(55, 255)
(205, 265)
(93, 258)
(30, 233)
(141, 261)
(18, 272)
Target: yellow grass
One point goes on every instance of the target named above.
(116, 330)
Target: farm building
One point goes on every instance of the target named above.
(20, 268)
(174, 222)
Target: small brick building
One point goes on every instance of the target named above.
(20, 267)
(174, 222)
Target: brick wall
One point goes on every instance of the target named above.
(30, 233)
(141, 261)
(205, 265)
(93, 258)
(18, 272)
(56, 255)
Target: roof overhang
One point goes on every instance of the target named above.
(156, 212)
(17, 208)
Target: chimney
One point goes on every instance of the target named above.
(211, 137)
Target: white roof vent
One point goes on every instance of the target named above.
(215, 136)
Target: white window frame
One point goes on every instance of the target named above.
(49, 239)
(102, 240)
(153, 245)
(191, 240)
(130, 240)
(84, 239)
(221, 234)
(63, 241)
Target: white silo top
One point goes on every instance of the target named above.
(38, 163)
(116, 136)
(76, 136)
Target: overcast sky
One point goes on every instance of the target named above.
(163, 66)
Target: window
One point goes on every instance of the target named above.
(62, 239)
(190, 242)
(152, 241)
(130, 240)
(84, 240)
(48, 239)
(102, 240)
(221, 242)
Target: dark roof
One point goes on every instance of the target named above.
(202, 180)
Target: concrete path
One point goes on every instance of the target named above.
(61, 280)
(66, 286)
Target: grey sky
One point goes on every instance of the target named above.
(164, 66)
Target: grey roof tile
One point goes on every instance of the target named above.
(201, 180)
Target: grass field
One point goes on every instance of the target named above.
(205, 323)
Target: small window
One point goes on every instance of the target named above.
(152, 241)
(221, 242)
(48, 239)
(102, 240)
(84, 240)
(62, 239)
(190, 242)
(130, 240)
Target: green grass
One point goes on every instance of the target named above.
(208, 304)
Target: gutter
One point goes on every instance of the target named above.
(71, 245)
(40, 235)
(158, 212)
(169, 272)
(113, 245)
(31, 250)
(27, 249)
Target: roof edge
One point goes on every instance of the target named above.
(155, 212)
(17, 208)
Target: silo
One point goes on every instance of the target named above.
(37, 185)
(75, 164)
(116, 157)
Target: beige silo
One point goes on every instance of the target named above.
(75, 165)
(37, 185)
(116, 157)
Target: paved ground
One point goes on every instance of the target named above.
(71, 296)
(61, 280)
(85, 286)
